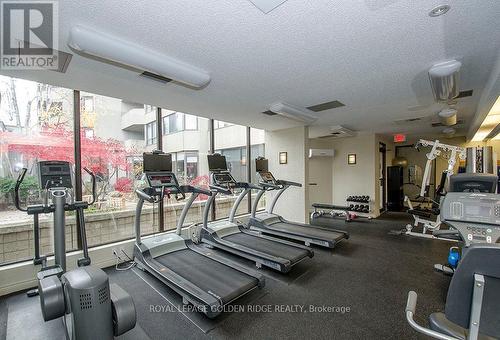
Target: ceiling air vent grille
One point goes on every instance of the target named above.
(269, 113)
(63, 58)
(340, 132)
(156, 77)
(409, 120)
(326, 106)
(463, 94)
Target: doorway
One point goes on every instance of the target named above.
(382, 176)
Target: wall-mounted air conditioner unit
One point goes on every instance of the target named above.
(321, 153)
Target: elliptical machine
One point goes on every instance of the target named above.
(90, 307)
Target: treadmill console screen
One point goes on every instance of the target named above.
(217, 162)
(224, 178)
(261, 165)
(156, 162)
(157, 180)
(267, 177)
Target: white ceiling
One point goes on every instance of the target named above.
(372, 55)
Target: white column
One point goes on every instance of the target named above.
(293, 204)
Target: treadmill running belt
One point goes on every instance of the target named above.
(294, 254)
(207, 274)
(307, 231)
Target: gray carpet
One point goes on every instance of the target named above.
(371, 274)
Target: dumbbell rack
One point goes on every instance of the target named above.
(363, 203)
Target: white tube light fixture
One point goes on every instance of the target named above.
(94, 43)
(294, 112)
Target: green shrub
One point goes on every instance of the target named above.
(7, 186)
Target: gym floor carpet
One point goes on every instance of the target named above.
(371, 274)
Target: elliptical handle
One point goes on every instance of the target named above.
(94, 185)
(20, 179)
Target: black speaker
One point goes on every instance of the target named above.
(395, 194)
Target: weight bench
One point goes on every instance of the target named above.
(428, 214)
(334, 211)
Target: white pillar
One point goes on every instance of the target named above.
(293, 204)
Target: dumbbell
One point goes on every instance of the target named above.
(366, 209)
(351, 207)
(356, 207)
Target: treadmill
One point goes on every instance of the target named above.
(229, 236)
(272, 224)
(206, 280)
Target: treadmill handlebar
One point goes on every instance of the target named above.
(220, 189)
(246, 185)
(145, 196)
(288, 183)
(195, 190)
(271, 186)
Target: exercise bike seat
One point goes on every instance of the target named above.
(438, 322)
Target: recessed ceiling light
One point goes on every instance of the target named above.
(439, 10)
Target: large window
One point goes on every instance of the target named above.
(231, 142)
(114, 153)
(189, 148)
(219, 124)
(151, 133)
(179, 121)
(185, 166)
(257, 149)
(36, 123)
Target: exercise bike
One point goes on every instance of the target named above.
(89, 306)
(473, 301)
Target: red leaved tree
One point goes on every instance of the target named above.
(104, 157)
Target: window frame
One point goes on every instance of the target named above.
(183, 122)
(153, 126)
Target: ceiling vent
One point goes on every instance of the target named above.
(338, 131)
(155, 77)
(409, 120)
(63, 58)
(326, 106)
(466, 93)
(293, 112)
(269, 113)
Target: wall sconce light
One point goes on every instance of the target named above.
(351, 158)
(283, 157)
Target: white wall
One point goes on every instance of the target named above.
(320, 172)
(293, 204)
(357, 179)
